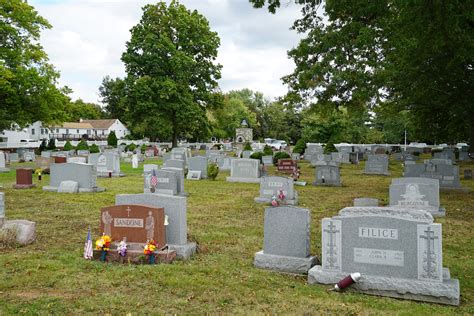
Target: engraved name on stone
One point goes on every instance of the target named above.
(163, 180)
(128, 222)
(275, 184)
(382, 233)
(379, 256)
(268, 192)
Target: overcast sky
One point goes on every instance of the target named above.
(89, 36)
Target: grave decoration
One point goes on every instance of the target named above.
(286, 244)
(279, 189)
(398, 253)
(127, 230)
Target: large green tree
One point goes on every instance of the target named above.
(414, 56)
(82, 110)
(113, 94)
(172, 73)
(28, 89)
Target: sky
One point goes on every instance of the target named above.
(89, 36)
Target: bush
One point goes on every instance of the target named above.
(330, 148)
(299, 147)
(112, 139)
(68, 146)
(82, 145)
(433, 151)
(51, 144)
(257, 155)
(247, 146)
(43, 145)
(131, 147)
(280, 155)
(143, 148)
(267, 151)
(212, 170)
(94, 149)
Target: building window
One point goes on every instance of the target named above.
(103, 132)
(77, 131)
(32, 131)
(67, 130)
(42, 131)
(88, 132)
(57, 130)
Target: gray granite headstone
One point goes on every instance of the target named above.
(467, 174)
(77, 159)
(179, 177)
(105, 163)
(175, 209)
(14, 157)
(244, 170)
(366, 202)
(341, 157)
(320, 159)
(271, 186)
(438, 161)
(267, 160)
(397, 251)
(167, 182)
(416, 193)
(286, 245)
(246, 154)
(175, 163)
(198, 164)
(68, 187)
(295, 156)
(3, 167)
(327, 176)
(46, 154)
(448, 175)
(226, 163)
(83, 153)
(377, 164)
(445, 154)
(84, 174)
(147, 168)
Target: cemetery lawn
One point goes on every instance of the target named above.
(50, 275)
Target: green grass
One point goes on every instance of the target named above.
(50, 276)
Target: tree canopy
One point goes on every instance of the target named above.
(172, 74)
(28, 89)
(393, 58)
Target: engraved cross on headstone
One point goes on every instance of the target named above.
(332, 252)
(128, 209)
(430, 257)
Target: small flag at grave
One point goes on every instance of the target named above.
(88, 246)
(154, 179)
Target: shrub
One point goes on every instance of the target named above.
(280, 155)
(112, 139)
(43, 145)
(82, 145)
(143, 148)
(267, 151)
(131, 147)
(299, 147)
(51, 144)
(257, 155)
(212, 170)
(94, 149)
(330, 148)
(247, 146)
(68, 146)
(433, 151)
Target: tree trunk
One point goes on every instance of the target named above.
(471, 137)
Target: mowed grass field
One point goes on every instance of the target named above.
(51, 277)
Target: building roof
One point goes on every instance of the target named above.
(77, 125)
(100, 124)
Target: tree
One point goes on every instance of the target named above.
(112, 139)
(81, 110)
(82, 145)
(68, 146)
(27, 81)
(113, 95)
(411, 56)
(51, 144)
(171, 72)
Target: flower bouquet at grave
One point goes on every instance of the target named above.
(103, 244)
(281, 196)
(122, 248)
(149, 250)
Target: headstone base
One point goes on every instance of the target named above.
(4, 169)
(269, 201)
(81, 190)
(136, 256)
(243, 180)
(25, 230)
(283, 263)
(374, 173)
(320, 184)
(439, 213)
(184, 251)
(24, 186)
(300, 183)
(106, 174)
(446, 292)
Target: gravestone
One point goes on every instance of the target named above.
(60, 159)
(2, 209)
(438, 161)
(76, 159)
(180, 178)
(340, 157)
(219, 160)
(226, 163)
(24, 179)
(46, 154)
(416, 193)
(327, 176)
(3, 162)
(296, 156)
(166, 182)
(14, 157)
(25, 231)
(166, 156)
(448, 175)
(147, 168)
(397, 251)
(246, 154)
(320, 159)
(107, 164)
(286, 245)
(198, 164)
(445, 154)
(244, 170)
(29, 156)
(84, 174)
(267, 160)
(379, 151)
(271, 186)
(287, 165)
(68, 187)
(149, 153)
(193, 175)
(135, 161)
(366, 202)
(83, 152)
(137, 223)
(377, 164)
(174, 163)
(467, 174)
(175, 209)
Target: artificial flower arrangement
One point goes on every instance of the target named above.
(149, 250)
(103, 244)
(122, 248)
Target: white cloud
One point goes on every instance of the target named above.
(89, 36)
